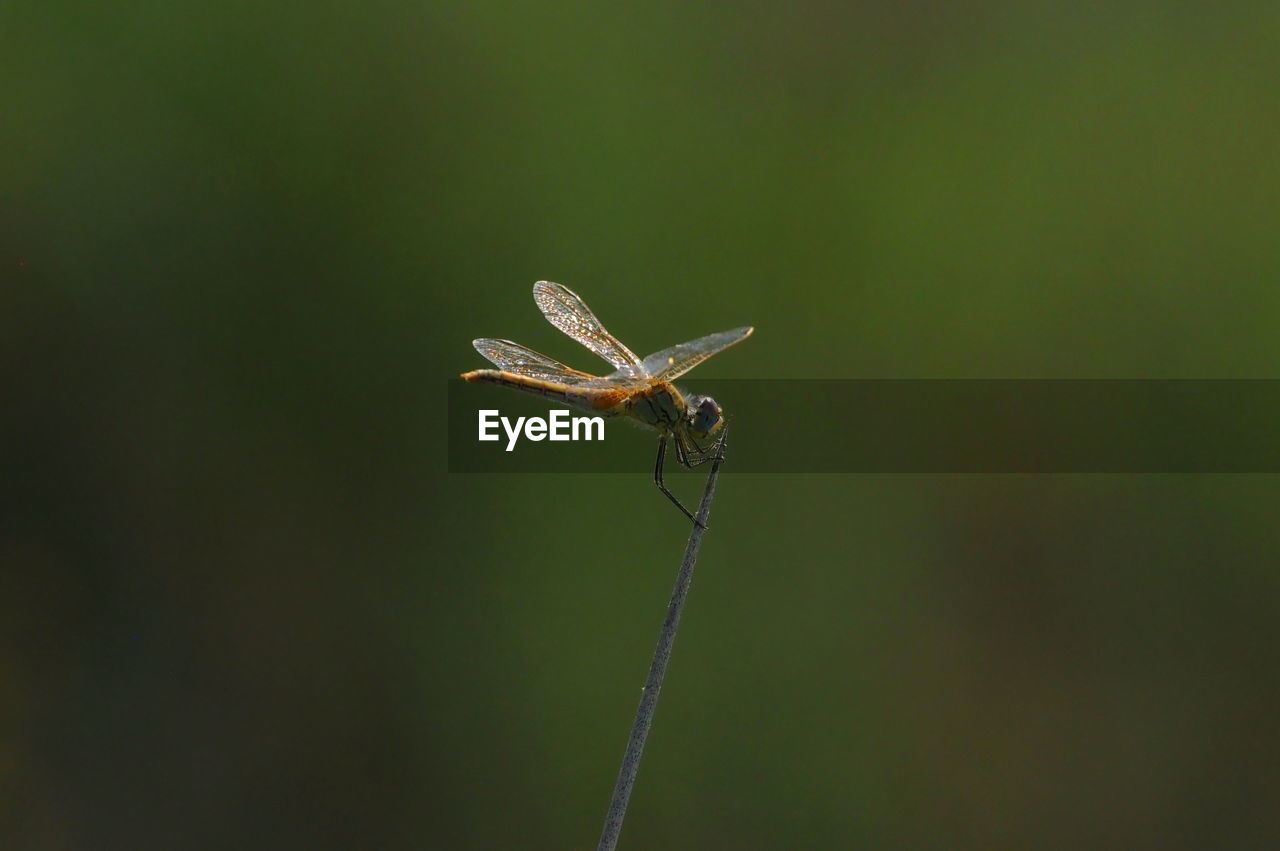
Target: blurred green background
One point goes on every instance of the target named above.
(243, 246)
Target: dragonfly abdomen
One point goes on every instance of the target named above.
(598, 400)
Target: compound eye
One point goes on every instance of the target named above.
(708, 416)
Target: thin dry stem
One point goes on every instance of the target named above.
(658, 668)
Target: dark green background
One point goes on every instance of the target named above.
(243, 245)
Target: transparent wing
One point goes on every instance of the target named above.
(520, 360)
(570, 314)
(670, 364)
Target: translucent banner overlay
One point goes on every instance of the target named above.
(916, 426)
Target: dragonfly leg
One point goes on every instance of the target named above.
(681, 451)
(689, 457)
(703, 455)
(702, 459)
(657, 477)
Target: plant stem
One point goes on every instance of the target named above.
(658, 668)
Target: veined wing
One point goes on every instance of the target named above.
(518, 359)
(570, 314)
(670, 364)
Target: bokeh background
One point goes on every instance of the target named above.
(244, 245)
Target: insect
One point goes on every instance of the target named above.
(638, 388)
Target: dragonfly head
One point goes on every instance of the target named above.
(705, 416)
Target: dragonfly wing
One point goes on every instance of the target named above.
(570, 314)
(520, 360)
(670, 364)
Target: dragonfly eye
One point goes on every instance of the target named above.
(707, 416)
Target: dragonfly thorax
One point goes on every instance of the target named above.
(662, 406)
(659, 405)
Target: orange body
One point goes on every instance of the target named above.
(652, 402)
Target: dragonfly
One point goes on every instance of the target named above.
(638, 388)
